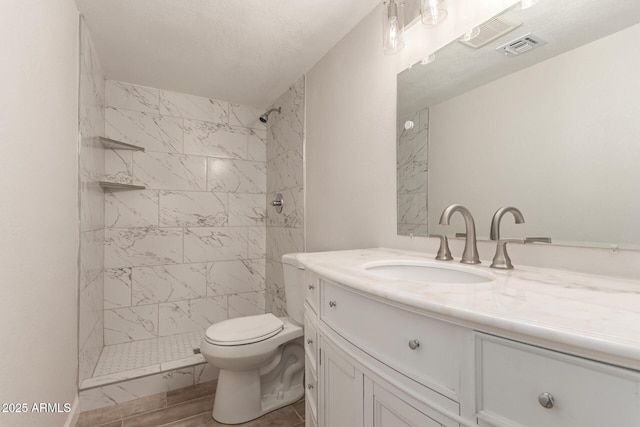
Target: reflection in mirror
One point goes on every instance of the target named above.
(539, 111)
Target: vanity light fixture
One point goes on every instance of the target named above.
(526, 4)
(392, 27)
(431, 13)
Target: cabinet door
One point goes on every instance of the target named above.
(385, 409)
(342, 389)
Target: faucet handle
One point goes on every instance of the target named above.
(537, 240)
(444, 254)
(501, 259)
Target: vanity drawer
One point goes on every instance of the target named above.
(311, 392)
(512, 377)
(388, 333)
(311, 341)
(312, 283)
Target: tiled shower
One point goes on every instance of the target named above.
(189, 249)
(197, 245)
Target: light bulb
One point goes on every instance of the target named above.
(526, 4)
(392, 27)
(471, 34)
(393, 33)
(431, 14)
(428, 59)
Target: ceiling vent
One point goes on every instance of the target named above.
(521, 45)
(491, 30)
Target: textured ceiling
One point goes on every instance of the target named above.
(244, 51)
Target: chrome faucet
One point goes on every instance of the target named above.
(470, 252)
(501, 259)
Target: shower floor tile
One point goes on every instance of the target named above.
(121, 362)
(127, 356)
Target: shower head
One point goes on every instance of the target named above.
(265, 116)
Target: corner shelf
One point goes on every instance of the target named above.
(107, 185)
(117, 145)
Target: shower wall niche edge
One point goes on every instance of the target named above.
(91, 114)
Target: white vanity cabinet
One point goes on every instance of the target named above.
(424, 349)
(354, 395)
(532, 347)
(373, 362)
(380, 365)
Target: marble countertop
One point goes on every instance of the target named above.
(597, 314)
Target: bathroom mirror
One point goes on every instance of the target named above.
(550, 123)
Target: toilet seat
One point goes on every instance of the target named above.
(244, 330)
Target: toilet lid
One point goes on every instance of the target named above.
(244, 330)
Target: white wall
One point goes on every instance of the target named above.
(38, 206)
(350, 148)
(351, 129)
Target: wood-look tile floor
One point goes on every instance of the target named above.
(197, 413)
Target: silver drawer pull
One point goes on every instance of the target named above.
(332, 304)
(310, 386)
(413, 344)
(546, 400)
(311, 287)
(309, 341)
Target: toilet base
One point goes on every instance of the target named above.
(242, 396)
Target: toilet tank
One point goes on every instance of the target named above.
(294, 287)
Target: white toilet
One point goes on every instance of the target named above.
(261, 358)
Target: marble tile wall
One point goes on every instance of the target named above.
(91, 170)
(285, 175)
(412, 165)
(189, 250)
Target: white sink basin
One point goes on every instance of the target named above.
(427, 272)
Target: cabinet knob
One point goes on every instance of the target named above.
(413, 344)
(332, 304)
(546, 400)
(311, 286)
(309, 341)
(310, 386)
